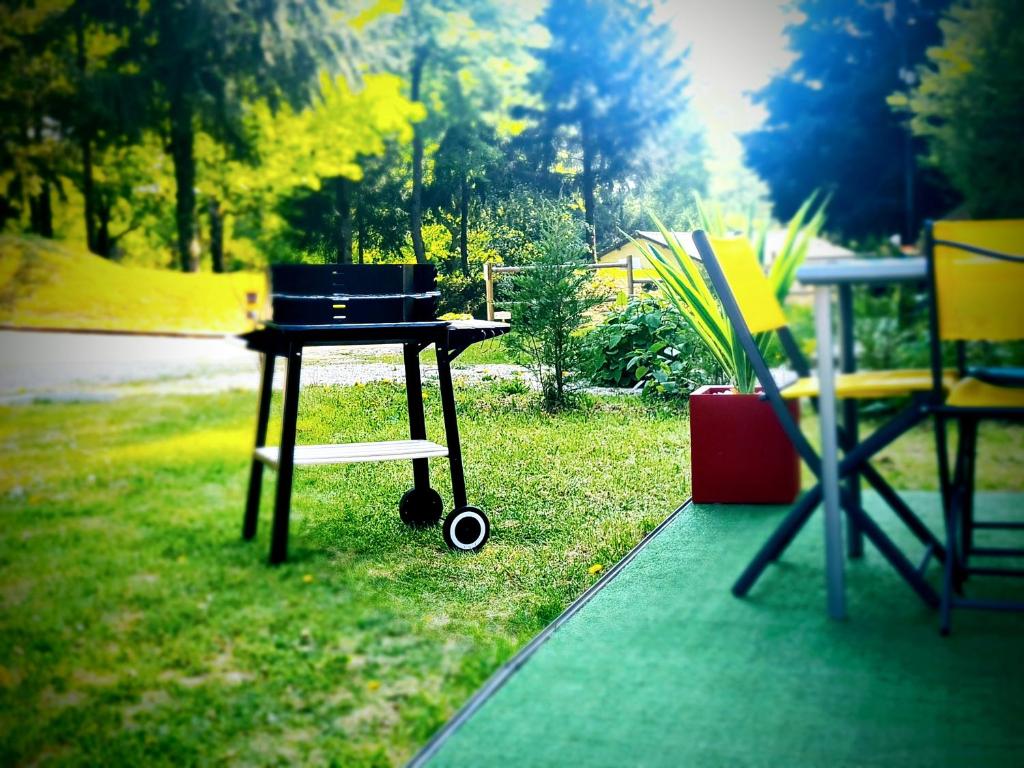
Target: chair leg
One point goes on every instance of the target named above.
(949, 572)
(942, 455)
(892, 553)
(854, 537)
(903, 512)
(967, 502)
(780, 539)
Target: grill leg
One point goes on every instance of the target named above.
(451, 425)
(252, 504)
(417, 424)
(286, 461)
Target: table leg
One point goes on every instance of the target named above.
(829, 454)
(848, 363)
(252, 504)
(286, 459)
(417, 422)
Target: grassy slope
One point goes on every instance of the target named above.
(137, 627)
(48, 284)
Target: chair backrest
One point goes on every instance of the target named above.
(977, 269)
(751, 306)
(753, 293)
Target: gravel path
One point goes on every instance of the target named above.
(73, 366)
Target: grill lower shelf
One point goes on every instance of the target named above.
(352, 453)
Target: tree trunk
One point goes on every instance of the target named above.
(102, 240)
(89, 196)
(416, 201)
(183, 155)
(41, 212)
(464, 225)
(361, 225)
(589, 182)
(7, 209)
(343, 207)
(88, 187)
(216, 214)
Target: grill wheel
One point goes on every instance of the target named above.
(420, 508)
(466, 529)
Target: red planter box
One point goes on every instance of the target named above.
(739, 451)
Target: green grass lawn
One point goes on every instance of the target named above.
(137, 627)
(490, 352)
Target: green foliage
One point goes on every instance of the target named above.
(648, 342)
(461, 291)
(35, 89)
(687, 289)
(829, 126)
(892, 331)
(677, 161)
(465, 62)
(209, 135)
(550, 303)
(967, 105)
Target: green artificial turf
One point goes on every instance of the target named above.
(663, 667)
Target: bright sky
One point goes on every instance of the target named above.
(735, 47)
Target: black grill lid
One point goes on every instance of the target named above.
(346, 294)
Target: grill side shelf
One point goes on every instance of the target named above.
(352, 453)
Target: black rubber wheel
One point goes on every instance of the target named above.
(420, 509)
(466, 529)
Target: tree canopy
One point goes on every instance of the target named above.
(829, 126)
(968, 105)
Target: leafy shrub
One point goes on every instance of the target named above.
(892, 331)
(647, 341)
(550, 302)
(460, 294)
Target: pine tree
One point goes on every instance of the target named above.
(607, 82)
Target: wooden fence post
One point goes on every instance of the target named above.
(629, 275)
(489, 291)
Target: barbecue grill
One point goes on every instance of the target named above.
(335, 305)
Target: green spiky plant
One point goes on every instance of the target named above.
(684, 283)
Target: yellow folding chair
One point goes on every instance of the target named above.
(752, 308)
(976, 269)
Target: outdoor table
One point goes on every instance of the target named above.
(844, 274)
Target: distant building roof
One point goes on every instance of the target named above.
(818, 249)
(776, 238)
(685, 239)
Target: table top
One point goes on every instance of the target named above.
(864, 271)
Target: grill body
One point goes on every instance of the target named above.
(353, 294)
(335, 305)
